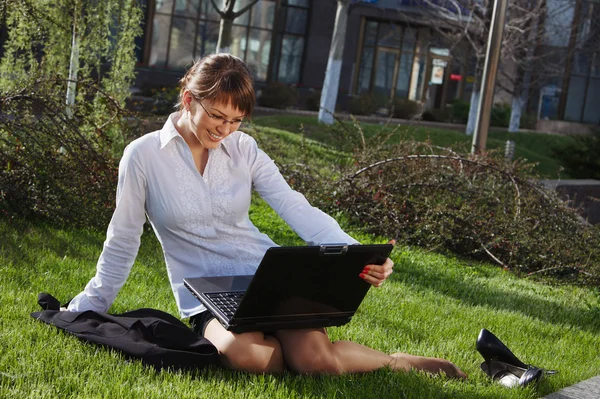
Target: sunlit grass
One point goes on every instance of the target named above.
(433, 305)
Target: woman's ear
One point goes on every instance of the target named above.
(187, 99)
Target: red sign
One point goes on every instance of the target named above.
(454, 76)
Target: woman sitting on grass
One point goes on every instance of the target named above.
(193, 179)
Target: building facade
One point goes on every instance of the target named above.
(387, 54)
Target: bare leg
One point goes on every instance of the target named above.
(254, 352)
(311, 351)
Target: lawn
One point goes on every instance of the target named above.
(533, 147)
(433, 305)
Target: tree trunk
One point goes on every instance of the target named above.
(473, 111)
(515, 113)
(73, 63)
(334, 65)
(224, 43)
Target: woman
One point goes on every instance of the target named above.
(193, 180)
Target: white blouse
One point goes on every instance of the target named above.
(201, 221)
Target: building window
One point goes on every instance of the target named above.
(583, 93)
(185, 30)
(292, 22)
(390, 62)
(395, 60)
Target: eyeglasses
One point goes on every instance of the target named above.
(220, 119)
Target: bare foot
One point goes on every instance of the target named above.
(433, 365)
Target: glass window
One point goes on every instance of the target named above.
(590, 113)
(206, 38)
(301, 3)
(263, 15)
(575, 98)
(384, 76)
(187, 8)
(238, 41)
(423, 40)
(296, 21)
(208, 11)
(558, 21)
(164, 6)
(257, 53)
(370, 33)
(364, 72)
(596, 66)
(417, 81)
(160, 41)
(581, 63)
(245, 17)
(410, 39)
(292, 48)
(181, 52)
(404, 71)
(389, 35)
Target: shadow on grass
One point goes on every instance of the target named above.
(453, 283)
(383, 383)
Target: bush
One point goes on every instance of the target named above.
(278, 95)
(362, 104)
(459, 111)
(500, 115)
(436, 115)
(481, 207)
(580, 158)
(313, 100)
(405, 109)
(56, 168)
(528, 121)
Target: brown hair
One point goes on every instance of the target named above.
(222, 78)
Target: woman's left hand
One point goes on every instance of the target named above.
(377, 274)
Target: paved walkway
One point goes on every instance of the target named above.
(588, 389)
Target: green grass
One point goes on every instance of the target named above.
(433, 305)
(534, 147)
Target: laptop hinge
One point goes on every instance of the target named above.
(333, 249)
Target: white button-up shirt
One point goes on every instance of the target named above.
(201, 221)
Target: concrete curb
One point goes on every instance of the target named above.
(588, 389)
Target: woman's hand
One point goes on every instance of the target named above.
(377, 274)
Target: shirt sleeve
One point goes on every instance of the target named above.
(310, 223)
(122, 238)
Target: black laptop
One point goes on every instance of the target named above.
(293, 287)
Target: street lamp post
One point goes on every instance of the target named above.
(492, 58)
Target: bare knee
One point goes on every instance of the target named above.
(323, 361)
(253, 353)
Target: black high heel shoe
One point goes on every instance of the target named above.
(502, 365)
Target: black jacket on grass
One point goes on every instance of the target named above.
(157, 338)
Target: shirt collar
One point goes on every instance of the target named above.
(169, 132)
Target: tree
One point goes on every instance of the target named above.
(227, 17)
(334, 64)
(529, 25)
(43, 35)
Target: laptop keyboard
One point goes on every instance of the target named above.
(227, 302)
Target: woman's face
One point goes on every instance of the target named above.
(212, 121)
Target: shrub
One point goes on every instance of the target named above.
(500, 115)
(459, 111)
(436, 115)
(278, 95)
(580, 158)
(528, 121)
(482, 207)
(56, 168)
(362, 104)
(406, 109)
(313, 100)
